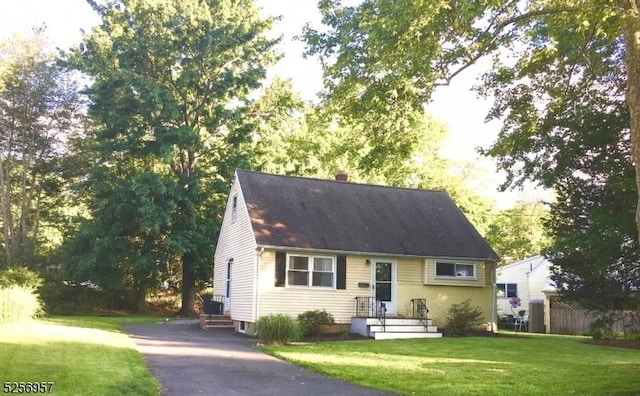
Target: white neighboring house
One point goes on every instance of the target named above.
(525, 279)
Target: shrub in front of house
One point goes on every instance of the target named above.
(278, 329)
(311, 322)
(463, 318)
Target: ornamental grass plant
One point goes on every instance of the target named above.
(278, 330)
(18, 303)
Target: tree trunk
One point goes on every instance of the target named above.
(188, 286)
(7, 217)
(631, 26)
(140, 299)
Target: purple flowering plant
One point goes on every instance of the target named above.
(515, 302)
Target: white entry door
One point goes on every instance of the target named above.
(384, 283)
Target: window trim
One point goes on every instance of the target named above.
(454, 263)
(310, 271)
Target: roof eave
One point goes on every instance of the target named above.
(375, 254)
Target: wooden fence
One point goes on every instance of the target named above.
(567, 318)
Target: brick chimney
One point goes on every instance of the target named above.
(342, 176)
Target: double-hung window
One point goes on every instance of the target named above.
(458, 270)
(311, 271)
(507, 290)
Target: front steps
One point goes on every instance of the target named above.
(394, 328)
(215, 322)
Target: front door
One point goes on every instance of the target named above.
(384, 281)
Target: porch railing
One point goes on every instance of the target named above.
(420, 311)
(370, 307)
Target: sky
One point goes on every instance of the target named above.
(455, 104)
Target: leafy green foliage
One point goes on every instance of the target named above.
(61, 297)
(278, 329)
(596, 246)
(20, 276)
(601, 329)
(39, 114)
(520, 232)
(564, 77)
(310, 321)
(18, 303)
(318, 147)
(170, 118)
(463, 318)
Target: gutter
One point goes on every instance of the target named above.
(374, 254)
(256, 280)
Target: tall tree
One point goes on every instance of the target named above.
(596, 253)
(171, 81)
(39, 113)
(392, 53)
(520, 232)
(319, 145)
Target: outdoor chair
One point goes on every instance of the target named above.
(521, 321)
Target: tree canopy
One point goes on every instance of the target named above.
(565, 76)
(389, 54)
(39, 115)
(170, 86)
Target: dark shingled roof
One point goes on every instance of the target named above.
(342, 216)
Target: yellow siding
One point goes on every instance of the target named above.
(341, 303)
(294, 301)
(439, 297)
(410, 270)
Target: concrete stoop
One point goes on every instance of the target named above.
(395, 328)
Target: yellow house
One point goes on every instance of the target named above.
(386, 261)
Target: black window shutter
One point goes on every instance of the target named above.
(281, 268)
(341, 275)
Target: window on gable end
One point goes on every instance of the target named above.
(234, 208)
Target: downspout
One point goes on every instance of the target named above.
(494, 299)
(256, 293)
(213, 272)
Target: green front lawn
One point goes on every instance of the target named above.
(527, 365)
(76, 355)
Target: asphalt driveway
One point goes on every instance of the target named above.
(190, 361)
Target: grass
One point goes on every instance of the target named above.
(81, 355)
(527, 365)
(109, 323)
